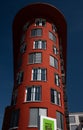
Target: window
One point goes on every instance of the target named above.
(53, 62)
(36, 32)
(52, 36)
(72, 119)
(34, 116)
(19, 62)
(22, 39)
(74, 127)
(35, 58)
(63, 79)
(55, 51)
(54, 28)
(60, 125)
(57, 80)
(39, 44)
(38, 74)
(81, 119)
(14, 118)
(40, 22)
(33, 93)
(23, 48)
(25, 27)
(55, 97)
(19, 78)
(14, 97)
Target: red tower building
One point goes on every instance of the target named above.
(39, 43)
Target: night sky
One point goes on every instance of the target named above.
(73, 12)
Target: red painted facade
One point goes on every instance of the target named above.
(22, 64)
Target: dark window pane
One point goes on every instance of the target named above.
(14, 118)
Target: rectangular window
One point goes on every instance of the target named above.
(19, 78)
(72, 119)
(34, 116)
(40, 22)
(35, 58)
(23, 48)
(54, 28)
(33, 93)
(14, 118)
(74, 127)
(36, 32)
(53, 62)
(55, 51)
(60, 124)
(55, 97)
(14, 97)
(19, 62)
(22, 39)
(52, 36)
(38, 74)
(25, 27)
(39, 44)
(57, 80)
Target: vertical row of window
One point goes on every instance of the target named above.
(34, 118)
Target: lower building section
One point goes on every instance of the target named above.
(26, 118)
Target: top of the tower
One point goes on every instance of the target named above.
(35, 10)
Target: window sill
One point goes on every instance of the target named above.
(55, 104)
(32, 126)
(13, 128)
(31, 101)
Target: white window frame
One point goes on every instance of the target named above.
(39, 44)
(57, 80)
(53, 62)
(37, 32)
(34, 117)
(57, 97)
(19, 77)
(39, 22)
(35, 57)
(38, 74)
(52, 36)
(35, 91)
(54, 29)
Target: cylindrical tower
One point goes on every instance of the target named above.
(39, 43)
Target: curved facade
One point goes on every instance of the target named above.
(39, 42)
